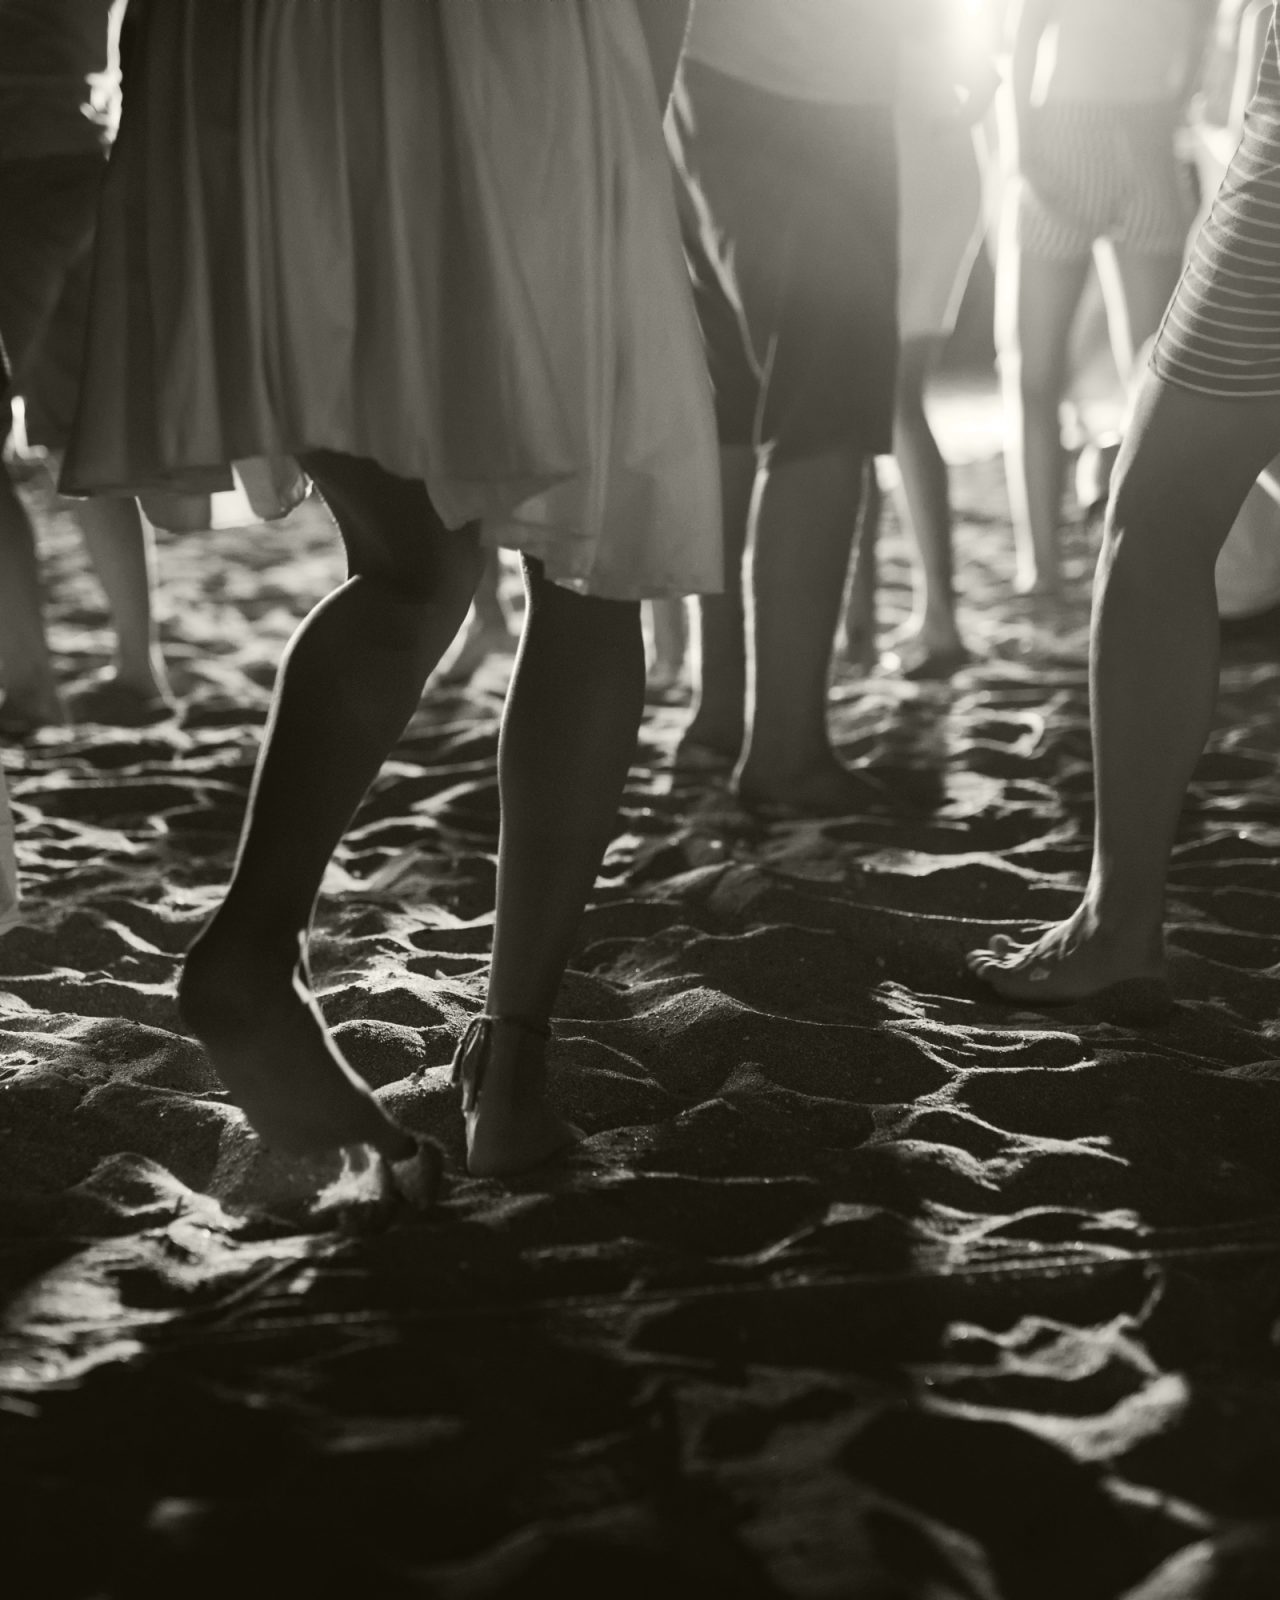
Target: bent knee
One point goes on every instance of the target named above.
(1189, 460)
(438, 568)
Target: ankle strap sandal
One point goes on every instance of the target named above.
(472, 1055)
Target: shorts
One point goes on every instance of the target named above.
(791, 231)
(942, 222)
(49, 205)
(1093, 171)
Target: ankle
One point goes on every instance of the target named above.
(141, 677)
(724, 736)
(938, 627)
(515, 1031)
(794, 764)
(228, 950)
(513, 1046)
(1125, 921)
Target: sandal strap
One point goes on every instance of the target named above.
(472, 1054)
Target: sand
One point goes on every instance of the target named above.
(862, 1283)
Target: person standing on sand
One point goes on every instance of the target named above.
(946, 78)
(59, 105)
(1206, 424)
(431, 251)
(782, 129)
(1096, 93)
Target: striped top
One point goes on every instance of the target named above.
(1221, 333)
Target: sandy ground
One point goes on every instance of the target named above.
(862, 1284)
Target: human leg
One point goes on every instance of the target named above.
(1135, 290)
(568, 739)
(1137, 287)
(31, 698)
(48, 205)
(803, 522)
(860, 626)
(1186, 466)
(349, 682)
(487, 633)
(119, 545)
(826, 313)
(930, 646)
(801, 200)
(668, 620)
(1036, 300)
(716, 730)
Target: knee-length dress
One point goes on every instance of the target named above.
(440, 235)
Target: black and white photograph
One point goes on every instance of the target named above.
(640, 799)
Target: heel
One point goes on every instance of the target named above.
(354, 1188)
(417, 1181)
(500, 1066)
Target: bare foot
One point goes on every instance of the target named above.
(511, 1127)
(860, 652)
(113, 701)
(925, 655)
(696, 760)
(1077, 960)
(259, 1023)
(1045, 588)
(708, 748)
(665, 683)
(827, 788)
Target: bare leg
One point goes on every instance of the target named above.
(1137, 289)
(488, 632)
(803, 522)
(350, 680)
(860, 627)
(1186, 466)
(669, 622)
(930, 645)
(31, 691)
(568, 739)
(1035, 304)
(119, 546)
(717, 728)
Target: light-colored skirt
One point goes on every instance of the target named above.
(441, 236)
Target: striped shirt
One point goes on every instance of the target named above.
(1221, 333)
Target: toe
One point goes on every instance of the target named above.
(999, 949)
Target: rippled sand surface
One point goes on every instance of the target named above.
(861, 1285)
